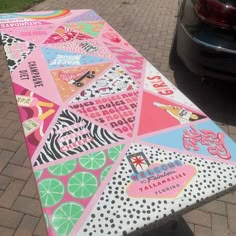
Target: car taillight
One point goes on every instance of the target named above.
(217, 13)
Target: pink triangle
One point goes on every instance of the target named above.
(109, 35)
(33, 74)
(158, 113)
(32, 106)
(34, 35)
(63, 34)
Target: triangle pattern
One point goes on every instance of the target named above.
(87, 16)
(155, 82)
(34, 35)
(204, 138)
(36, 115)
(16, 50)
(91, 28)
(31, 75)
(71, 80)
(115, 80)
(117, 194)
(90, 47)
(116, 112)
(59, 59)
(110, 36)
(158, 113)
(89, 170)
(63, 34)
(132, 62)
(72, 135)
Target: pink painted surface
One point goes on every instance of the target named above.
(86, 97)
(167, 185)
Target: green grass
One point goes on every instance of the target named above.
(16, 5)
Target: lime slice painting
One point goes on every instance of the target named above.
(82, 185)
(38, 174)
(105, 172)
(114, 152)
(51, 192)
(93, 161)
(65, 217)
(62, 169)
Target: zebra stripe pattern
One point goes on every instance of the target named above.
(54, 148)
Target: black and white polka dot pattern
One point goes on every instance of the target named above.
(115, 213)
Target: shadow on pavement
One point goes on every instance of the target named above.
(217, 98)
(171, 228)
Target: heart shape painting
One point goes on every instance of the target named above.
(168, 184)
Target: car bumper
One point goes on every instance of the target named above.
(203, 58)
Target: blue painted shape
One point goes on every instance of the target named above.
(174, 139)
(59, 59)
(7, 16)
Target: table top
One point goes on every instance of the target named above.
(114, 146)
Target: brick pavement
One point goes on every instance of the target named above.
(149, 26)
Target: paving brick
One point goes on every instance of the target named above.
(4, 182)
(231, 209)
(20, 156)
(233, 136)
(6, 231)
(229, 198)
(198, 217)
(17, 172)
(11, 130)
(41, 229)
(13, 146)
(27, 163)
(5, 123)
(19, 136)
(27, 226)
(216, 207)
(10, 219)
(29, 189)
(219, 225)
(191, 226)
(12, 116)
(9, 145)
(5, 157)
(11, 193)
(28, 206)
(202, 231)
(232, 129)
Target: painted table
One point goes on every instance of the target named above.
(114, 146)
